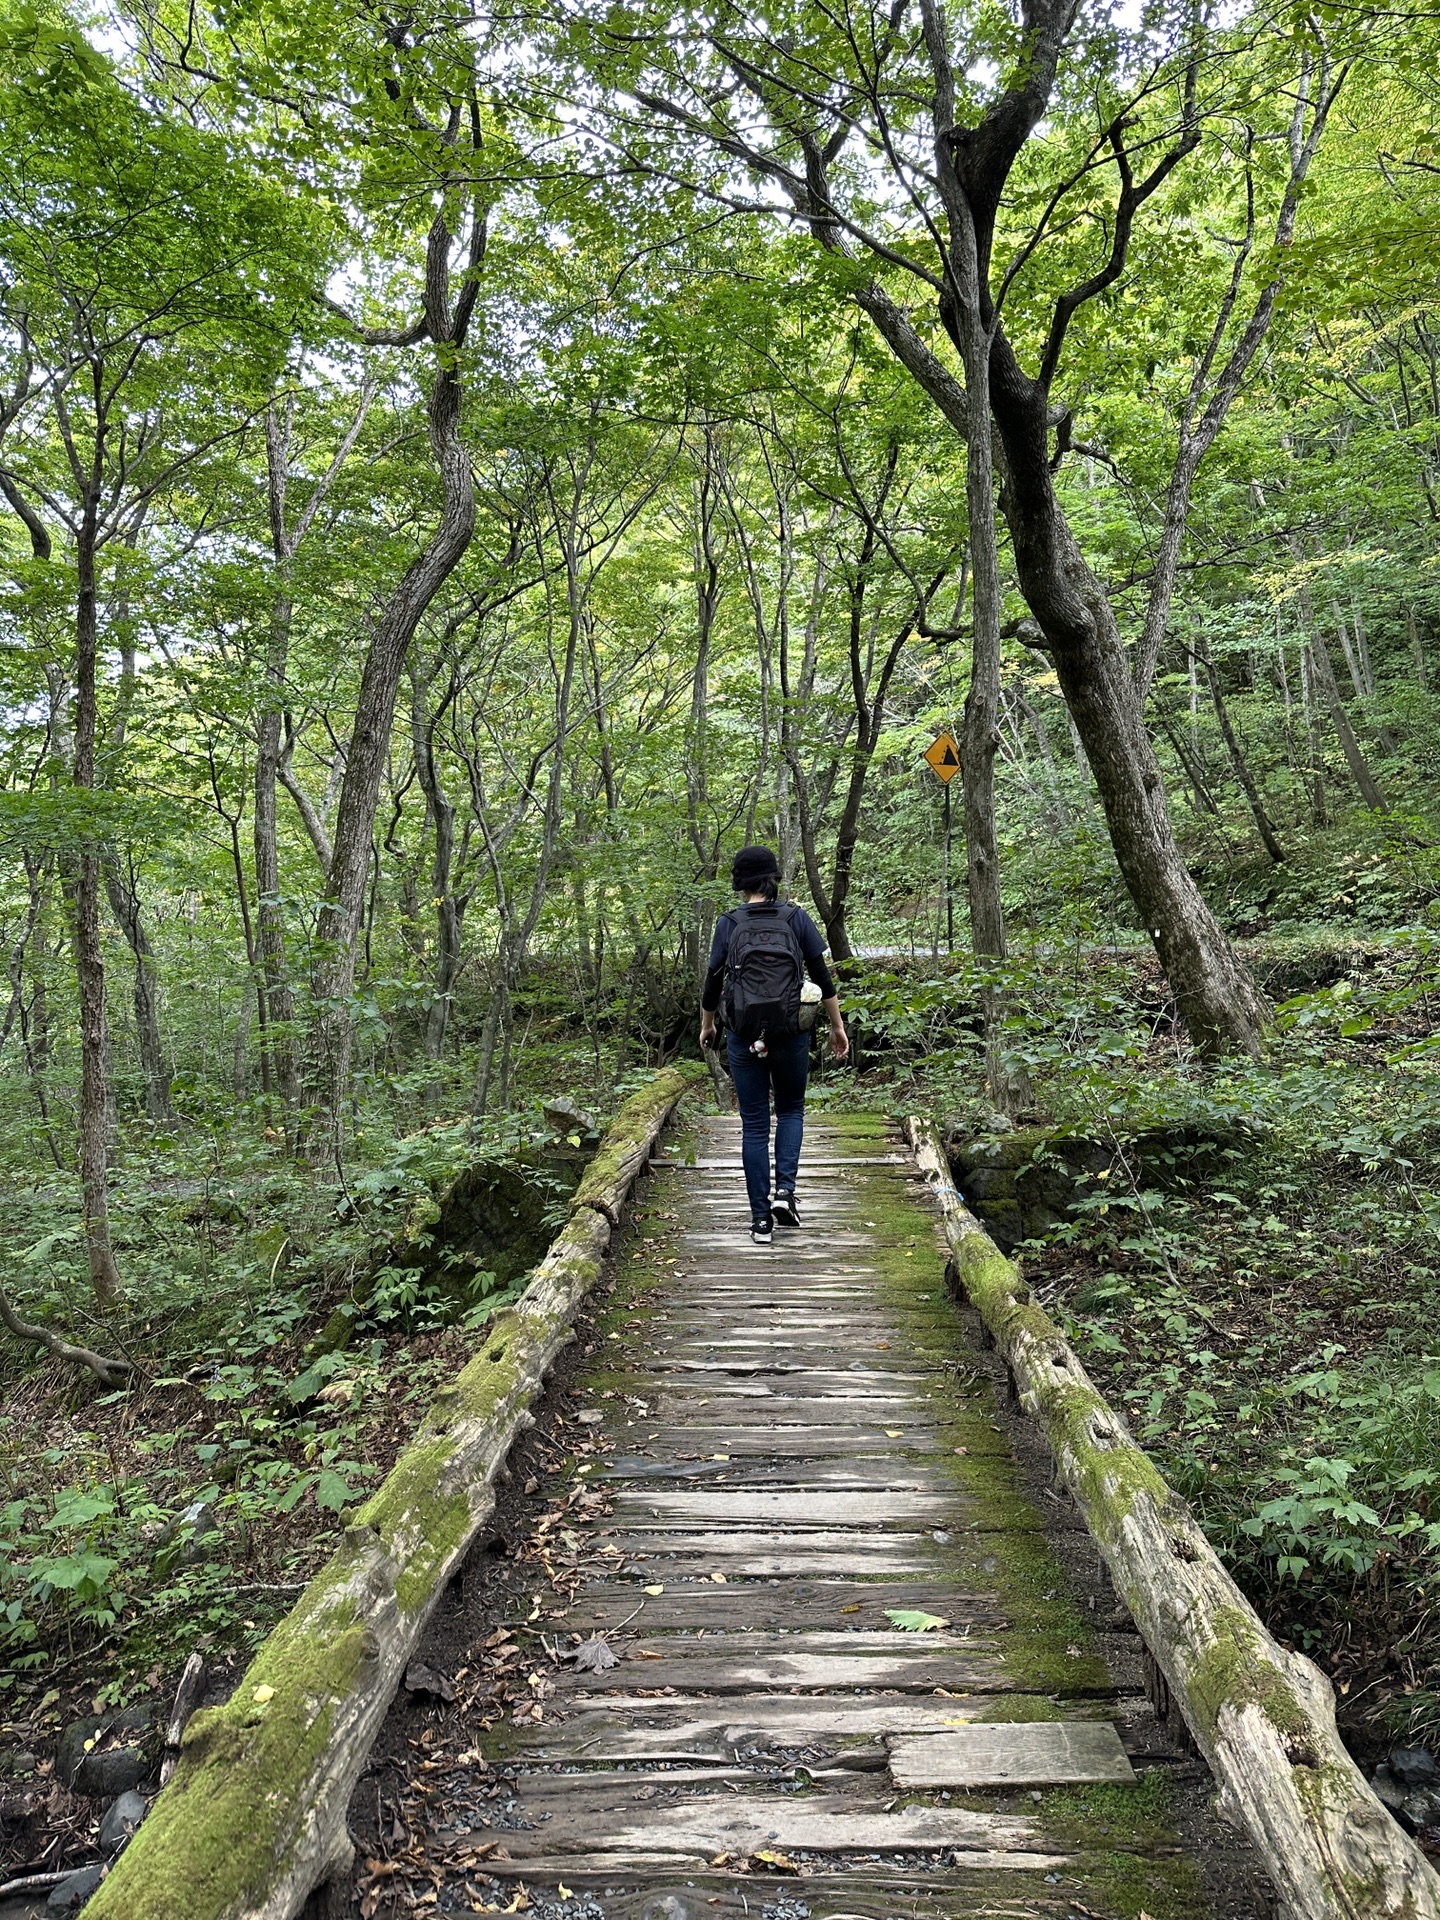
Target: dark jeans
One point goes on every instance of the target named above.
(782, 1072)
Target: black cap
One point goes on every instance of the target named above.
(750, 866)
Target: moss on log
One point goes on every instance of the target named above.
(254, 1816)
(1264, 1718)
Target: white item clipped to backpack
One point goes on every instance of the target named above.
(810, 997)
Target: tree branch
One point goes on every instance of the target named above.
(108, 1372)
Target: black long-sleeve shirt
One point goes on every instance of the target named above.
(812, 945)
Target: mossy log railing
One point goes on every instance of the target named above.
(254, 1816)
(1264, 1718)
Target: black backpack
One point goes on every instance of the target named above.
(764, 972)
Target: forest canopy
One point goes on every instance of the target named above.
(464, 473)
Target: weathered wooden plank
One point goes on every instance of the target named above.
(798, 1605)
(876, 1507)
(631, 1728)
(1039, 1754)
(853, 1472)
(913, 1438)
(724, 1824)
(736, 1672)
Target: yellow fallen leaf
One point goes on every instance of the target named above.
(262, 1694)
(719, 1579)
(780, 1861)
(719, 1456)
(564, 1891)
(854, 1609)
(719, 1859)
(654, 1589)
(893, 1433)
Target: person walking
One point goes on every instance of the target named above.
(759, 958)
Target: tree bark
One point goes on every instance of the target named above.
(1219, 1002)
(1264, 825)
(125, 905)
(449, 908)
(1324, 675)
(89, 956)
(384, 662)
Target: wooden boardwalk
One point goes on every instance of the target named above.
(799, 1445)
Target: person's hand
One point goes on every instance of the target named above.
(707, 1030)
(839, 1039)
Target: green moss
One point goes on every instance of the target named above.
(228, 1823)
(232, 1815)
(631, 1130)
(1234, 1672)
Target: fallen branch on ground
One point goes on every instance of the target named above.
(108, 1372)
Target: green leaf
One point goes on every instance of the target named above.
(912, 1620)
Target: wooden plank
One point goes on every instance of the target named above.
(693, 1672)
(882, 1472)
(725, 1824)
(874, 1507)
(699, 1542)
(797, 1605)
(1041, 1754)
(681, 1728)
(799, 1440)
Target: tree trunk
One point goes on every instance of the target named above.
(449, 911)
(1324, 675)
(89, 957)
(351, 845)
(279, 1000)
(1318, 813)
(1264, 825)
(980, 733)
(125, 905)
(1417, 651)
(1218, 1000)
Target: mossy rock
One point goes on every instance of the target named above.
(1023, 1183)
(498, 1217)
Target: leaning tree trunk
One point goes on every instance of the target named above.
(89, 957)
(1219, 1002)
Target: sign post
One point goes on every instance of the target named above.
(942, 756)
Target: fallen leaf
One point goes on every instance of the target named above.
(422, 1679)
(719, 1579)
(261, 1695)
(893, 1433)
(594, 1655)
(854, 1609)
(563, 1891)
(719, 1456)
(912, 1620)
(654, 1589)
(644, 1653)
(781, 1862)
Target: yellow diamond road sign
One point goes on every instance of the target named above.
(943, 758)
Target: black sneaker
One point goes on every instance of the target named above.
(786, 1211)
(762, 1231)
